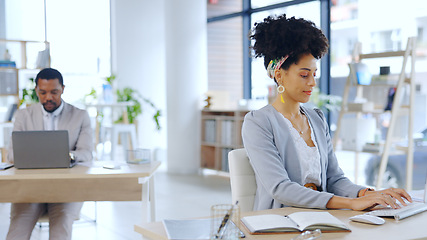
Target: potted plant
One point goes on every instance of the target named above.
(128, 95)
(29, 95)
(325, 102)
(131, 95)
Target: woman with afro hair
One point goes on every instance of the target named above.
(289, 145)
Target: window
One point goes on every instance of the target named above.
(264, 3)
(260, 81)
(230, 66)
(225, 62)
(222, 7)
(377, 30)
(390, 34)
(79, 39)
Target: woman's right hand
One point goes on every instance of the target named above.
(385, 197)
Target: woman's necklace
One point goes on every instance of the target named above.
(299, 129)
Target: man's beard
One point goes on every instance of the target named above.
(55, 106)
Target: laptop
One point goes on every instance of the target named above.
(405, 211)
(41, 149)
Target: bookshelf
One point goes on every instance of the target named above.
(402, 106)
(11, 70)
(221, 133)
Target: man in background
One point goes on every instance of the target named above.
(51, 113)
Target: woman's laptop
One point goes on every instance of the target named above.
(41, 149)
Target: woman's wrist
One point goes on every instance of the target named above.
(337, 202)
(363, 192)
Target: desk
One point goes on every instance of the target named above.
(410, 228)
(83, 182)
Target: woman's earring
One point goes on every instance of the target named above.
(280, 90)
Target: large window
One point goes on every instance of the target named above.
(261, 83)
(388, 29)
(230, 66)
(225, 57)
(79, 39)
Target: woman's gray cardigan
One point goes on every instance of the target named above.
(273, 156)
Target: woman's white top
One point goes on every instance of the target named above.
(309, 156)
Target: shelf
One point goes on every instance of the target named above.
(382, 55)
(9, 85)
(379, 111)
(221, 133)
(359, 129)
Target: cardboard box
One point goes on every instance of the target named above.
(356, 132)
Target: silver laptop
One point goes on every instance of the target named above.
(405, 211)
(41, 149)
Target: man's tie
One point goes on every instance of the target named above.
(51, 122)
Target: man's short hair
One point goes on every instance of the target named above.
(49, 73)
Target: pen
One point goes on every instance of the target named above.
(224, 221)
(290, 219)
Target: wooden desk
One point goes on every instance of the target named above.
(84, 182)
(410, 228)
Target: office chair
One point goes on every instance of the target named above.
(242, 179)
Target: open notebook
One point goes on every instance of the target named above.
(405, 211)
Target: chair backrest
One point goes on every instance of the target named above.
(242, 179)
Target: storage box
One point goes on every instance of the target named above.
(356, 132)
(361, 107)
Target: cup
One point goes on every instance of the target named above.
(385, 70)
(225, 222)
(138, 156)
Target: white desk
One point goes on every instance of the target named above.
(410, 228)
(131, 182)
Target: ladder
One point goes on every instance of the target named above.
(398, 107)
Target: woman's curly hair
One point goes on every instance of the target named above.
(281, 36)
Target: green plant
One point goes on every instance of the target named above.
(92, 95)
(29, 94)
(131, 95)
(110, 79)
(323, 101)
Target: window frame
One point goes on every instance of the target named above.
(246, 13)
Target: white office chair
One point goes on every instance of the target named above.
(242, 179)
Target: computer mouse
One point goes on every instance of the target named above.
(363, 218)
(111, 166)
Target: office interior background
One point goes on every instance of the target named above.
(173, 52)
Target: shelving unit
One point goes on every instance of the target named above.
(9, 77)
(400, 107)
(10, 82)
(221, 133)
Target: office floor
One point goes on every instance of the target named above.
(177, 196)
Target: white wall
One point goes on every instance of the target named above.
(138, 51)
(186, 58)
(2, 26)
(159, 48)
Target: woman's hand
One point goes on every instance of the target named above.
(385, 197)
(371, 199)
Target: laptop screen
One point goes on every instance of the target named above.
(41, 149)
